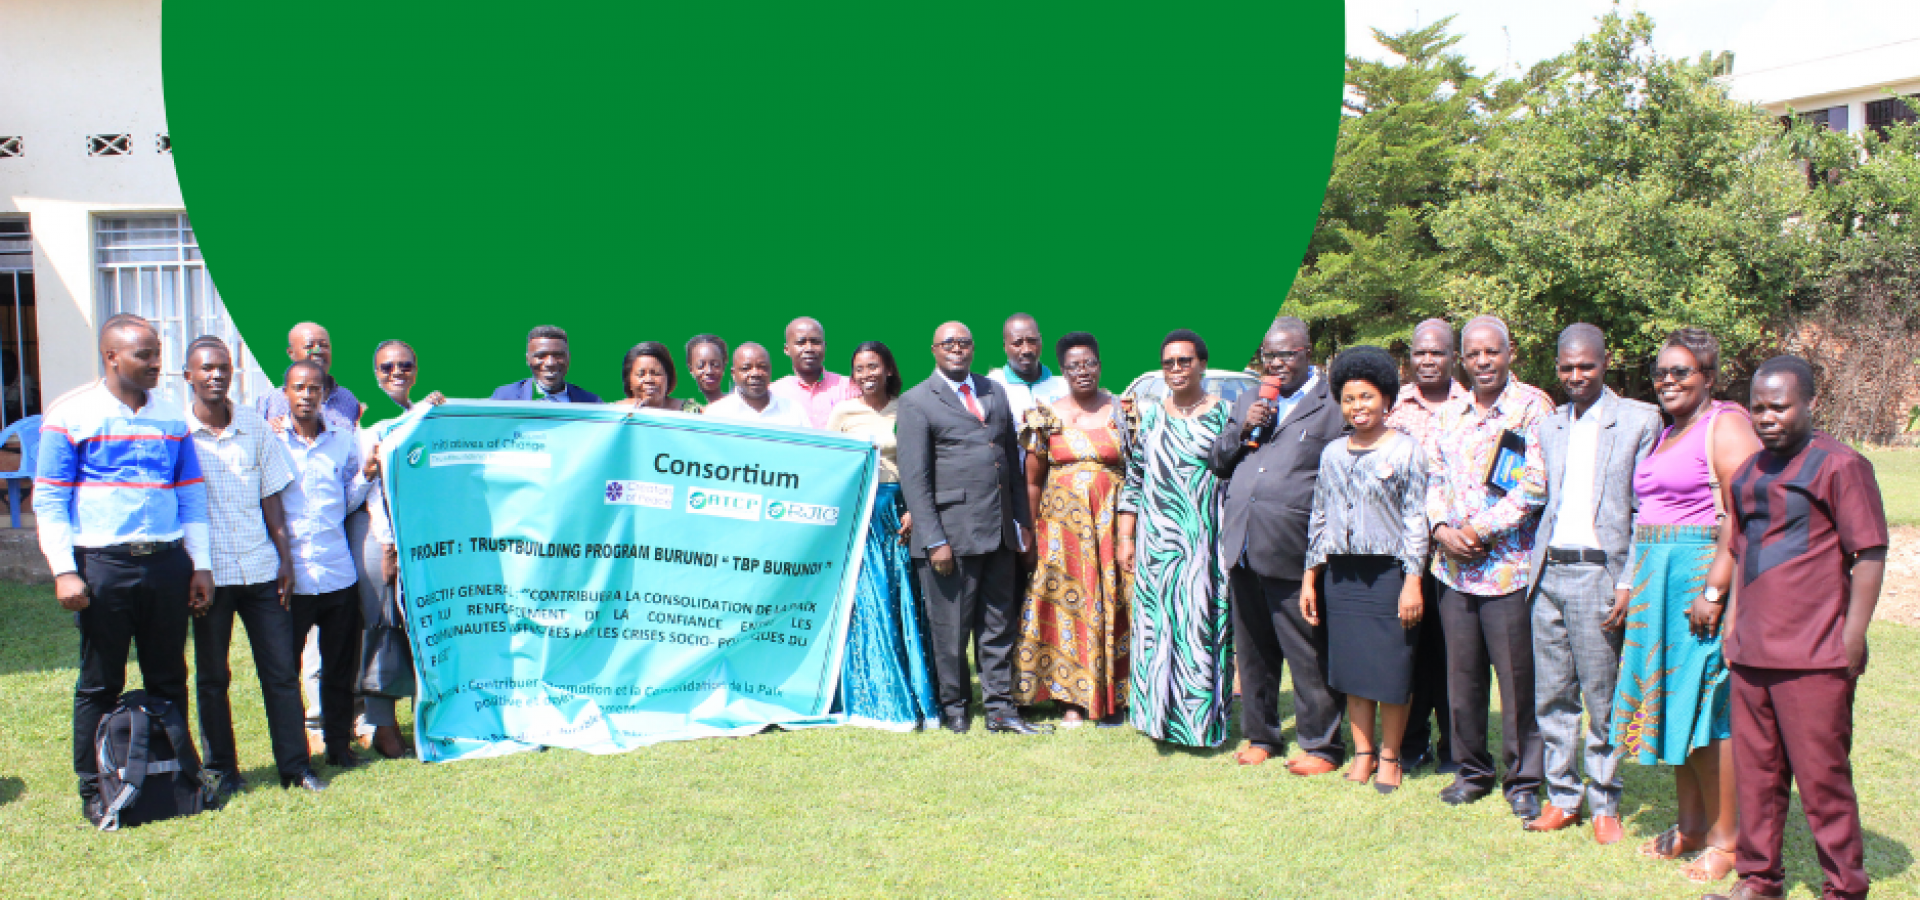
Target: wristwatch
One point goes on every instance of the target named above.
(1713, 595)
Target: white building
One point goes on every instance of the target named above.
(1850, 91)
(91, 218)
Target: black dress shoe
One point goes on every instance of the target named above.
(306, 781)
(957, 724)
(345, 759)
(1525, 805)
(1461, 793)
(1011, 724)
(227, 785)
(1412, 761)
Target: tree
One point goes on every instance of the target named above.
(1373, 268)
(1628, 191)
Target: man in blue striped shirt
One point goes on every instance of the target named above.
(122, 516)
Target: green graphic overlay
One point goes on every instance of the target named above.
(456, 173)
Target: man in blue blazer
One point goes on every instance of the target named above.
(547, 358)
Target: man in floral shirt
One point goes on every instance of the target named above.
(1486, 485)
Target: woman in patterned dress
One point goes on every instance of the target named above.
(1181, 682)
(885, 679)
(1073, 625)
(1672, 705)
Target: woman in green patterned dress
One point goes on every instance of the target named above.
(1181, 685)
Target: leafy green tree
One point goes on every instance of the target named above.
(1629, 191)
(1373, 268)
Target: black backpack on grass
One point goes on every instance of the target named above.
(148, 768)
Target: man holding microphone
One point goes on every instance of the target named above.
(1269, 455)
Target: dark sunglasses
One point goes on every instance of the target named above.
(1178, 362)
(388, 368)
(1679, 373)
(955, 344)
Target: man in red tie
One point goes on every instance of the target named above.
(959, 475)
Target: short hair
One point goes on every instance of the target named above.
(755, 345)
(1430, 324)
(204, 342)
(658, 352)
(547, 332)
(287, 375)
(1494, 322)
(1186, 334)
(1801, 371)
(894, 385)
(392, 342)
(1019, 317)
(1293, 326)
(1367, 363)
(713, 339)
(1582, 334)
(121, 321)
(1074, 339)
(1699, 342)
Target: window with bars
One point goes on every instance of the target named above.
(1833, 118)
(12, 146)
(1882, 114)
(163, 143)
(109, 144)
(150, 265)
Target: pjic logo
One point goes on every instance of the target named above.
(416, 454)
(803, 513)
(640, 493)
(727, 504)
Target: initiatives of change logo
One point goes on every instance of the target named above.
(640, 493)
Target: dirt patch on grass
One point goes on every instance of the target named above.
(1900, 596)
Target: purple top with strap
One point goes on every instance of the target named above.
(1671, 482)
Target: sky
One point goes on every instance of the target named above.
(1761, 33)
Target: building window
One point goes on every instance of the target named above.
(1833, 118)
(12, 146)
(150, 266)
(19, 325)
(163, 143)
(1882, 114)
(109, 144)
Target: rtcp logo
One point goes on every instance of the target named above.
(726, 504)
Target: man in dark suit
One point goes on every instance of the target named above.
(547, 358)
(1264, 534)
(959, 471)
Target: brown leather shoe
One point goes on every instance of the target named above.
(1306, 765)
(1742, 892)
(1553, 819)
(1251, 755)
(1607, 830)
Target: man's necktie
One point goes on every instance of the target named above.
(966, 396)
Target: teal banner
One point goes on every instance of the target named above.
(600, 579)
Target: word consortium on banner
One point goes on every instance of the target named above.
(591, 578)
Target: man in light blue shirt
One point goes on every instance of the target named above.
(327, 484)
(121, 511)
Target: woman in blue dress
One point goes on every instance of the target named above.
(884, 676)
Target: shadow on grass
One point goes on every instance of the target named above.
(11, 788)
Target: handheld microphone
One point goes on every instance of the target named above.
(1269, 392)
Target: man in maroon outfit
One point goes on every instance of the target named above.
(1810, 548)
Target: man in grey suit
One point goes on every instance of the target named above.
(1263, 534)
(1590, 447)
(959, 475)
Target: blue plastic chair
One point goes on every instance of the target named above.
(28, 430)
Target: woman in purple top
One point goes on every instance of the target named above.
(1671, 706)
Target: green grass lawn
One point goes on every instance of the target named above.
(851, 812)
(1899, 474)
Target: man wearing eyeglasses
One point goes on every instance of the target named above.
(1269, 455)
(1028, 381)
(308, 340)
(960, 477)
(811, 387)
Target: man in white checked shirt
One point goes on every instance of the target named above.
(246, 470)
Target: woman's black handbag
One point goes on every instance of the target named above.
(386, 659)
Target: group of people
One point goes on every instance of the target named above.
(1698, 583)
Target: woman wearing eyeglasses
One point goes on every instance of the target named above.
(1671, 706)
(1181, 658)
(647, 376)
(370, 531)
(1073, 624)
(707, 363)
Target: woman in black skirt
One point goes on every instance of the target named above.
(1367, 548)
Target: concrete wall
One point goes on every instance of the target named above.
(73, 68)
